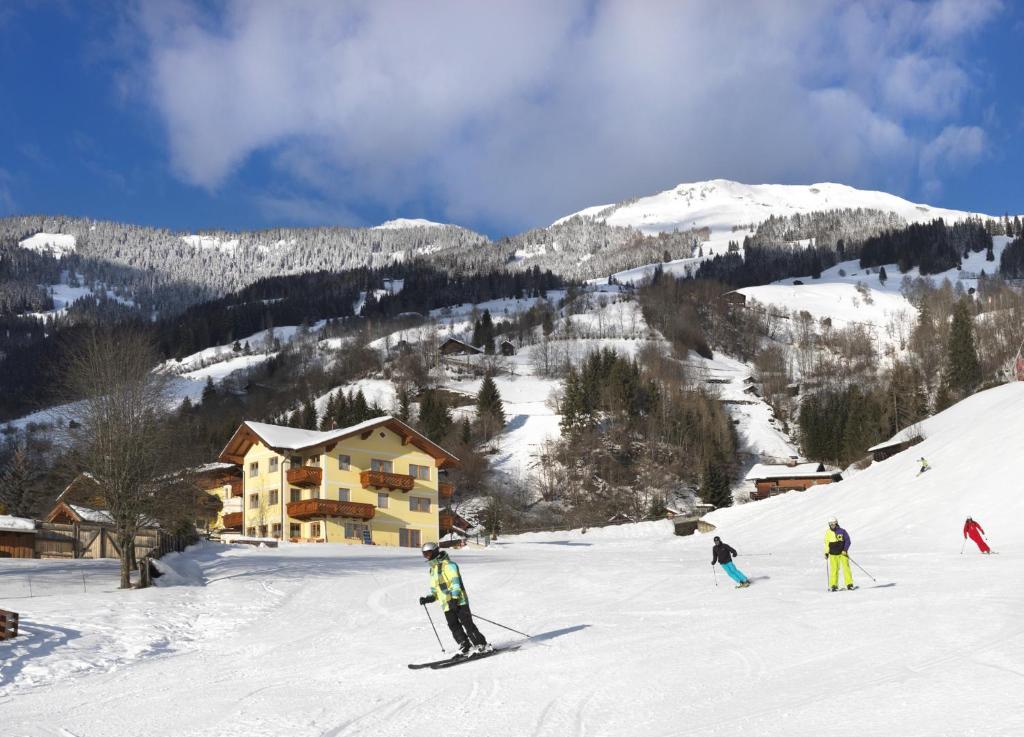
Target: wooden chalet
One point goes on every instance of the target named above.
(17, 537)
(771, 480)
(735, 298)
(507, 348)
(456, 347)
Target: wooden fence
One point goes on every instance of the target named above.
(8, 625)
(55, 540)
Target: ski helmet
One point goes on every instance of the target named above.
(833, 522)
(429, 550)
(718, 539)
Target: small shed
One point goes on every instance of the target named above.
(771, 479)
(507, 348)
(17, 537)
(897, 444)
(735, 298)
(456, 347)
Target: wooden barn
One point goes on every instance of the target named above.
(507, 348)
(770, 479)
(456, 347)
(17, 537)
(891, 447)
(735, 298)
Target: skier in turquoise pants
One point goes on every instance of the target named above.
(723, 554)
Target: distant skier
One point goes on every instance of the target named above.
(974, 531)
(723, 554)
(924, 465)
(837, 546)
(446, 586)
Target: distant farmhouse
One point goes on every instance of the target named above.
(771, 480)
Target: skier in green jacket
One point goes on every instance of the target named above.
(446, 587)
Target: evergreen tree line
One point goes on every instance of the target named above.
(764, 264)
(932, 247)
(1011, 263)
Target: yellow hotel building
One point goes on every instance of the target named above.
(377, 482)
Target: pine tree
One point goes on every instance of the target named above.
(467, 431)
(714, 488)
(327, 422)
(435, 418)
(490, 411)
(963, 372)
(404, 403)
(358, 408)
(209, 390)
(308, 416)
(882, 276)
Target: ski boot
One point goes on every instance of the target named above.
(849, 587)
(834, 588)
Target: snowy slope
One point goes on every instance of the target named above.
(634, 637)
(720, 204)
(56, 244)
(400, 223)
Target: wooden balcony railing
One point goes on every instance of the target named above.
(304, 476)
(232, 520)
(236, 487)
(445, 490)
(382, 480)
(445, 522)
(319, 508)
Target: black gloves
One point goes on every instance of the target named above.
(424, 600)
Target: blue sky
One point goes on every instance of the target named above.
(192, 115)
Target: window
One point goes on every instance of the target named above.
(251, 532)
(272, 500)
(409, 538)
(273, 464)
(254, 501)
(295, 530)
(419, 504)
(419, 472)
(295, 495)
(254, 469)
(314, 493)
(344, 462)
(313, 461)
(275, 531)
(382, 500)
(376, 464)
(314, 529)
(295, 461)
(263, 530)
(343, 495)
(354, 530)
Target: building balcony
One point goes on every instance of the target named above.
(321, 508)
(304, 476)
(445, 521)
(232, 520)
(382, 480)
(236, 487)
(445, 490)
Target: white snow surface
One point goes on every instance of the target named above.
(9, 523)
(632, 636)
(56, 244)
(402, 223)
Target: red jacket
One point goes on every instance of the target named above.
(972, 528)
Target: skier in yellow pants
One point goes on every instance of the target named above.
(837, 545)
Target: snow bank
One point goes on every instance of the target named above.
(177, 569)
(57, 244)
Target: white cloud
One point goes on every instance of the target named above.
(517, 113)
(956, 147)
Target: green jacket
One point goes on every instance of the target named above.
(446, 582)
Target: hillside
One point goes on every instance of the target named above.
(933, 648)
(723, 206)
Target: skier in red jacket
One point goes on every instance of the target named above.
(973, 529)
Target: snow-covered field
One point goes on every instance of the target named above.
(632, 635)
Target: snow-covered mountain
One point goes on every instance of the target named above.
(722, 205)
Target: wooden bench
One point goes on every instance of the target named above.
(8, 625)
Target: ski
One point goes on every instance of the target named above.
(432, 663)
(469, 658)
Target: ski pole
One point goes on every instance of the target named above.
(715, 574)
(828, 576)
(862, 568)
(434, 628)
(497, 624)
(963, 546)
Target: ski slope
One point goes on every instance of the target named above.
(633, 637)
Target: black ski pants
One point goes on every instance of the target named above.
(460, 622)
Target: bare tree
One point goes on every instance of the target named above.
(119, 430)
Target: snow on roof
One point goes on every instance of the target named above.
(16, 524)
(903, 436)
(215, 466)
(92, 515)
(291, 438)
(782, 471)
